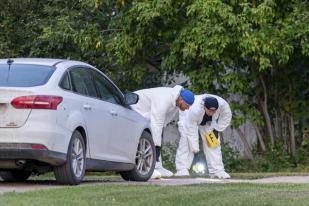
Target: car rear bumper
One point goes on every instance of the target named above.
(51, 157)
(52, 136)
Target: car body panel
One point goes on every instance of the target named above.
(123, 142)
(110, 138)
(11, 117)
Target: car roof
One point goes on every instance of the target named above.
(39, 61)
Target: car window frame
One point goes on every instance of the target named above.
(67, 71)
(86, 69)
(70, 81)
(89, 68)
(116, 91)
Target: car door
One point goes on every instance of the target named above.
(122, 143)
(96, 112)
(126, 134)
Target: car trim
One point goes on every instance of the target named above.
(104, 165)
(47, 156)
(54, 65)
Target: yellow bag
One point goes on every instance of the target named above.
(212, 140)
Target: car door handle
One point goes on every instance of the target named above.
(87, 107)
(113, 112)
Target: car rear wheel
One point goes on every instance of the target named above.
(144, 161)
(73, 171)
(15, 175)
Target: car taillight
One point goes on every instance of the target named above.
(38, 147)
(37, 102)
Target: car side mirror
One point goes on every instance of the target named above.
(131, 98)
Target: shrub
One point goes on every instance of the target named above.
(274, 159)
(233, 162)
(168, 155)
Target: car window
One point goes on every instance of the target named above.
(105, 88)
(82, 82)
(24, 75)
(65, 82)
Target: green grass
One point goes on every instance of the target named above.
(122, 194)
(113, 177)
(102, 176)
(148, 195)
(259, 175)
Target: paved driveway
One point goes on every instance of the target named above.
(49, 184)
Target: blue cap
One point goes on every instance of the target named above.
(187, 96)
(211, 102)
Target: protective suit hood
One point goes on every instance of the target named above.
(158, 105)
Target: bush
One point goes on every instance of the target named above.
(168, 155)
(274, 159)
(302, 155)
(233, 162)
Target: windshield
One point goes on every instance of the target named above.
(24, 75)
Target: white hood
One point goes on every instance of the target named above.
(158, 105)
(190, 119)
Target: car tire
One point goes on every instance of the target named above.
(73, 170)
(144, 162)
(15, 175)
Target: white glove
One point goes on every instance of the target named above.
(193, 145)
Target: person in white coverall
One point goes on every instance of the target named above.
(160, 105)
(209, 113)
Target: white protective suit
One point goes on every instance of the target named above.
(158, 105)
(189, 127)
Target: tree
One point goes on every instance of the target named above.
(226, 47)
(57, 29)
(254, 53)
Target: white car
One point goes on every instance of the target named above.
(67, 116)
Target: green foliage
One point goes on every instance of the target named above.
(302, 158)
(302, 154)
(274, 159)
(224, 47)
(233, 162)
(168, 155)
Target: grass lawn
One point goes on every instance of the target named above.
(148, 195)
(259, 175)
(101, 176)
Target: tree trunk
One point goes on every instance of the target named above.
(260, 138)
(284, 130)
(247, 146)
(265, 112)
(276, 124)
(292, 135)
